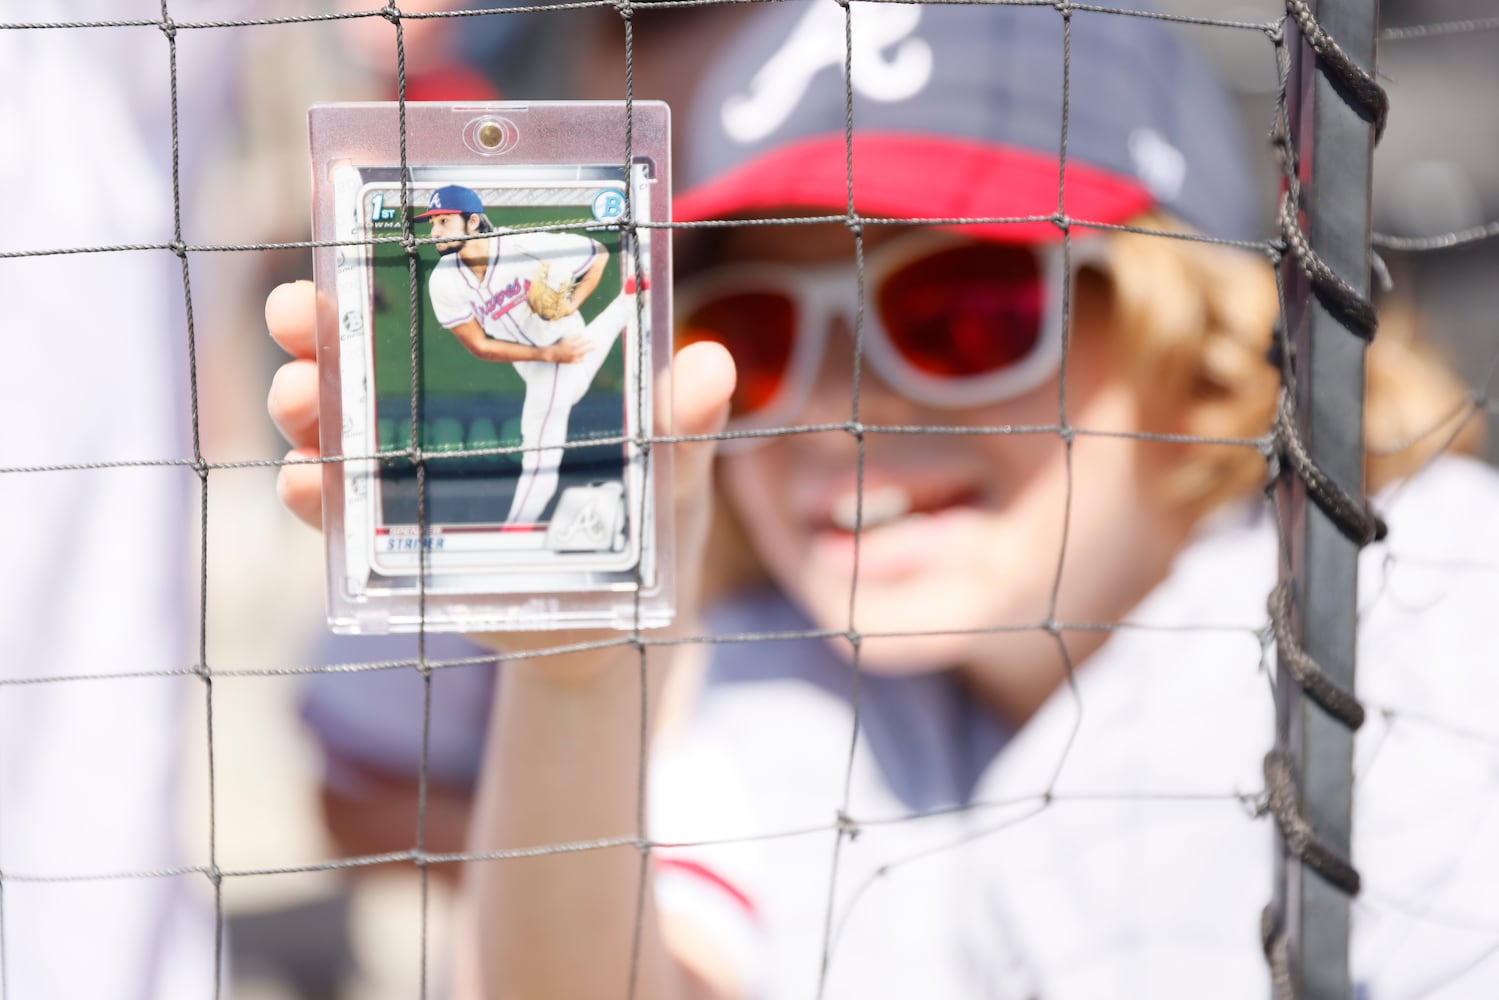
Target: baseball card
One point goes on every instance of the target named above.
(496, 355)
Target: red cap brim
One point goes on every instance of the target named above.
(916, 176)
(437, 211)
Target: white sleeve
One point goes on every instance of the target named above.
(451, 302)
(566, 253)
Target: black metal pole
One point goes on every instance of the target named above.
(1335, 145)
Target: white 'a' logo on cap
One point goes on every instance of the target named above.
(436, 201)
(1159, 164)
(816, 43)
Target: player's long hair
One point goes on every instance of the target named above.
(484, 227)
(1193, 323)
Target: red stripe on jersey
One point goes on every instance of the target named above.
(712, 877)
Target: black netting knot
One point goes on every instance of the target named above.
(1301, 839)
(1277, 956)
(1355, 521)
(1317, 686)
(1339, 298)
(1359, 88)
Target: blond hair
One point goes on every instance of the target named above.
(1192, 323)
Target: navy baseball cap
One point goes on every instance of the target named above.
(957, 113)
(454, 199)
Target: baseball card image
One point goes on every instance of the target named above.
(521, 327)
(494, 359)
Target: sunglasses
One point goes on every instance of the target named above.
(949, 323)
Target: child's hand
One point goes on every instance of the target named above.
(703, 378)
(290, 314)
(561, 720)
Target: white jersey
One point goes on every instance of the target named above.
(1145, 874)
(1099, 895)
(498, 300)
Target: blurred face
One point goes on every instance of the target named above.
(372, 40)
(962, 529)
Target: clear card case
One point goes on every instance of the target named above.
(494, 351)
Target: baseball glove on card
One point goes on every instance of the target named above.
(550, 302)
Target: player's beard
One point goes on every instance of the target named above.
(444, 249)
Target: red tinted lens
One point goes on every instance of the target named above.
(759, 330)
(968, 310)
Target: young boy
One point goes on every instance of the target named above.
(996, 721)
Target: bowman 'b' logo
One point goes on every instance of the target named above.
(817, 43)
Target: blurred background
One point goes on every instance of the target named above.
(285, 760)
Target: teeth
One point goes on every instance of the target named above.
(881, 506)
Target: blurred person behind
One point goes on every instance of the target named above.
(972, 685)
(100, 580)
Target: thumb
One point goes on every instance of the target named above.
(702, 380)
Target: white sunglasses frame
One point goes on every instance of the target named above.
(824, 291)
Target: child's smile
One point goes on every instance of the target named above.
(964, 510)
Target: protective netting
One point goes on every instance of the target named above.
(987, 819)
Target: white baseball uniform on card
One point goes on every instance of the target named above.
(497, 302)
